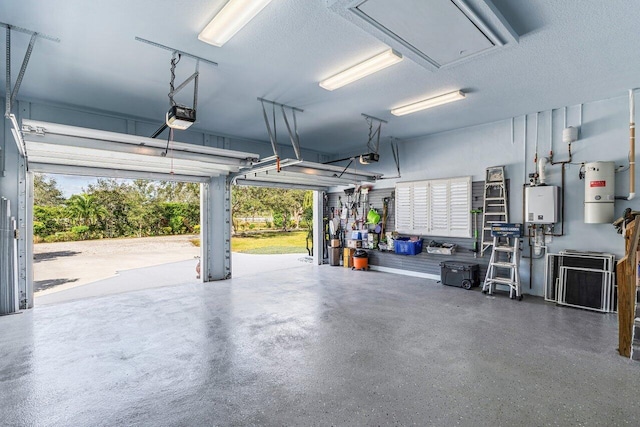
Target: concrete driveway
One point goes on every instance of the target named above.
(169, 274)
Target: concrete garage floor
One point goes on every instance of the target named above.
(319, 346)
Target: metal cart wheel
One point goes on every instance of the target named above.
(466, 284)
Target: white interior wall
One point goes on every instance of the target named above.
(604, 136)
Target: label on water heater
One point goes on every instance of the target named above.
(598, 184)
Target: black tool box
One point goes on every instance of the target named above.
(453, 273)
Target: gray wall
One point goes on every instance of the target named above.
(423, 263)
(604, 136)
(468, 151)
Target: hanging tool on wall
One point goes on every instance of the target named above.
(475, 213)
(385, 212)
(325, 225)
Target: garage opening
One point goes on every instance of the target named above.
(99, 236)
(272, 228)
(54, 148)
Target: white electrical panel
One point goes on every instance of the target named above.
(541, 204)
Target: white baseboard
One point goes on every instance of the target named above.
(404, 272)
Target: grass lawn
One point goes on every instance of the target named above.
(271, 242)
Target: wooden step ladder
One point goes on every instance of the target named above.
(495, 208)
(505, 260)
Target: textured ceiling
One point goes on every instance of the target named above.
(569, 52)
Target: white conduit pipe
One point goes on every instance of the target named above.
(632, 146)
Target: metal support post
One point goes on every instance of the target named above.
(25, 282)
(7, 110)
(318, 227)
(215, 212)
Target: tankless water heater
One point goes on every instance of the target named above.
(541, 204)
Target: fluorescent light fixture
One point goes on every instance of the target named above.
(233, 16)
(363, 69)
(428, 103)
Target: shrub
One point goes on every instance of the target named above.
(39, 228)
(268, 224)
(196, 230)
(80, 229)
(252, 226)
(61, 236)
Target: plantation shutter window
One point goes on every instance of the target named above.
(420, 209)
(460, 207)
(439, 225)
(439, 207)
(404, 207)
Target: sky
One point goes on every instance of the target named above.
(72, 184)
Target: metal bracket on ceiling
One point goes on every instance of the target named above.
(396, 158)
(11, 95)
(193, 77)
(181, 52)
(273, 133)
(373, 133)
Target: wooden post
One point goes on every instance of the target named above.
(626, 272)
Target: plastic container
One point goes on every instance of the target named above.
(404, 246)
(453, 273)
(445, 249)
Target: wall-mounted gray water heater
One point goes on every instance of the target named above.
(541, 204)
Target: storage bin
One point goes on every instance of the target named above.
(445, 249)
(354, 244)
(453, 273)
(404, 246)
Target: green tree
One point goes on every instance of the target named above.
(288, 203)
(187, 192)
(247, 201)
(46, 191)
(283, 205)
(85, 209)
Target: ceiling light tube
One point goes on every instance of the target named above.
(363, 69)
(428, 103)
(233, 16)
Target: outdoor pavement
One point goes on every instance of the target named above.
(169, 274)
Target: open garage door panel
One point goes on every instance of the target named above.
(56, 148)
(304, 175)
